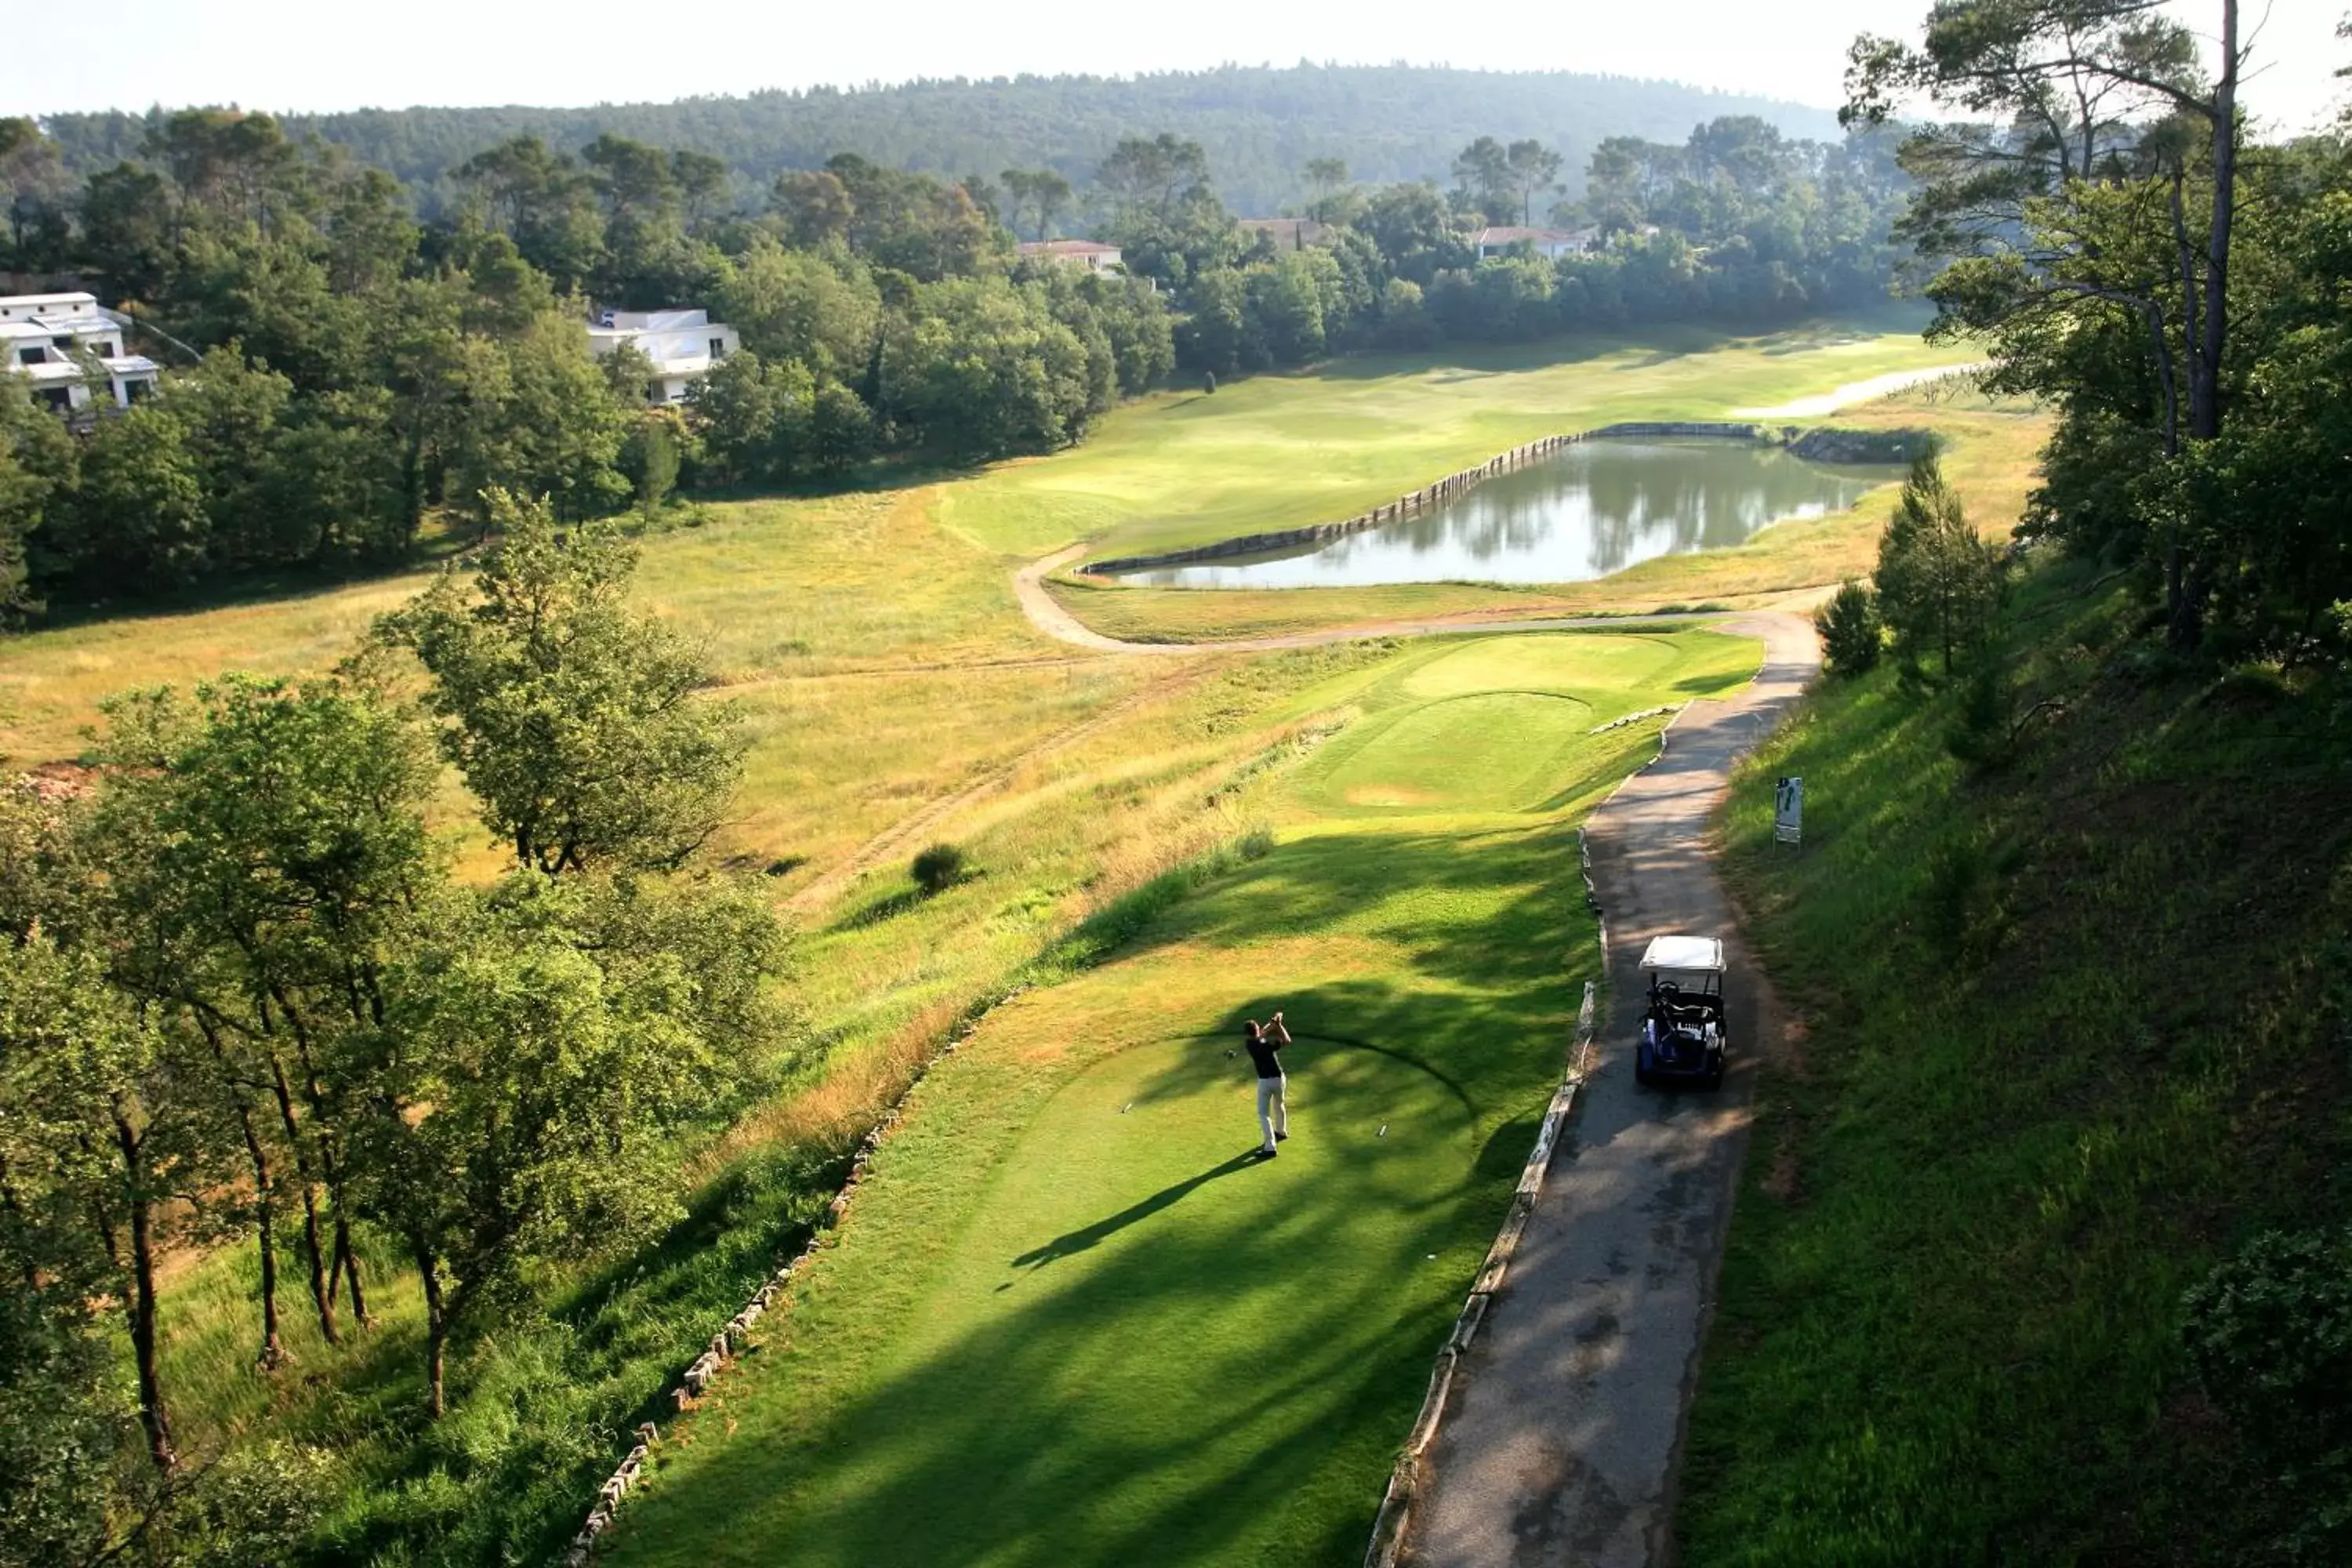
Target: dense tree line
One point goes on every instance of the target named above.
(360, 371)
(2173, 291)
(1261, 126)
(242, 996)
(1738, 226)
(341, 373)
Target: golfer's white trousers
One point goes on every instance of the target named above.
(1273, 1116)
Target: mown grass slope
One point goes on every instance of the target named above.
(2075, 1030)
(1068, 1320)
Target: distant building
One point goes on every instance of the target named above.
(1287, 233)
(1092, 255)
(682, 344)
(1551, 244)
(66, 347)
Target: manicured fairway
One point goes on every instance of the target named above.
(1067, 1320)
(1183, 468)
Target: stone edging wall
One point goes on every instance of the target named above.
(1405, 1481)
(1428, 496)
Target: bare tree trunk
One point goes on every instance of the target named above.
(152, 1414)
(436, 1324)
(348, 1261)
(265, 1215)
(2186, 626)
(314, 1246)
(2207, 418)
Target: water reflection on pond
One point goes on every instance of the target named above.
(1594, 508)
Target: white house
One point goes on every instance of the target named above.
(1551, 244)
(683, 345)
(40, 336)
(1092, 255)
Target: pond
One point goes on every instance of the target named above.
(1591, 509)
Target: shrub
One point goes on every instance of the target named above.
(1979, 735)
(938, 869)
(2269, 1333)
(1938, 583)
(1852, 634)
(1258, 843)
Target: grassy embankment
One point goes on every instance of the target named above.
(887, 669)
(1068, 1320)
(2074, 1030)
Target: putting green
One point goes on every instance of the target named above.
(1068, 1322)
(1559, 663)
(1496, 750)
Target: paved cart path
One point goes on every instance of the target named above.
(1563, 1433)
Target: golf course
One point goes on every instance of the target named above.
(1071, 1319)
(1064, 1321)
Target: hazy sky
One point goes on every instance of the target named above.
(301, 53)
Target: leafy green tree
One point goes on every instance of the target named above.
(656, 441)
(986, 370)
(1531, 167)
(1042, 195)
(575, 722)
(523, 1090)
(39, 463)
(814, 206)
(1153, 173)
(2084, 124)
(1938, 582)
(842, 431)
(544, 201)
(1217, 332)
(1413, 231)
(97, 1131)
(1484, 179)
(737, 415)
(138, 514)
(821, 311)
(35, 196)
(1853, 636)
(1286, 300)
(264, 850)
(1136, 322)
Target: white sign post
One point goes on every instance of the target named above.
(1789, 811)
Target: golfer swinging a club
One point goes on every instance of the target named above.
(1273, 1116)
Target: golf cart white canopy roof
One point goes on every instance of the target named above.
(1688, 953)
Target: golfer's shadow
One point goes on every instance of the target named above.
(1077, 1241)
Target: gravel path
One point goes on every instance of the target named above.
(1564, 1431)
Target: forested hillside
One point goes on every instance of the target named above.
(364, 374)
(1259, 125)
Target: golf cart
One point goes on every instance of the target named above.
(1682, 1027)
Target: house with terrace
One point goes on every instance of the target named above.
(681, 344)
(1551, 244)
(73, 352)
(1093, 255)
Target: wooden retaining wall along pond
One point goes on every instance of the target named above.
(1826, 445)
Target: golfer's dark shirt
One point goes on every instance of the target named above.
(1263, 1058)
